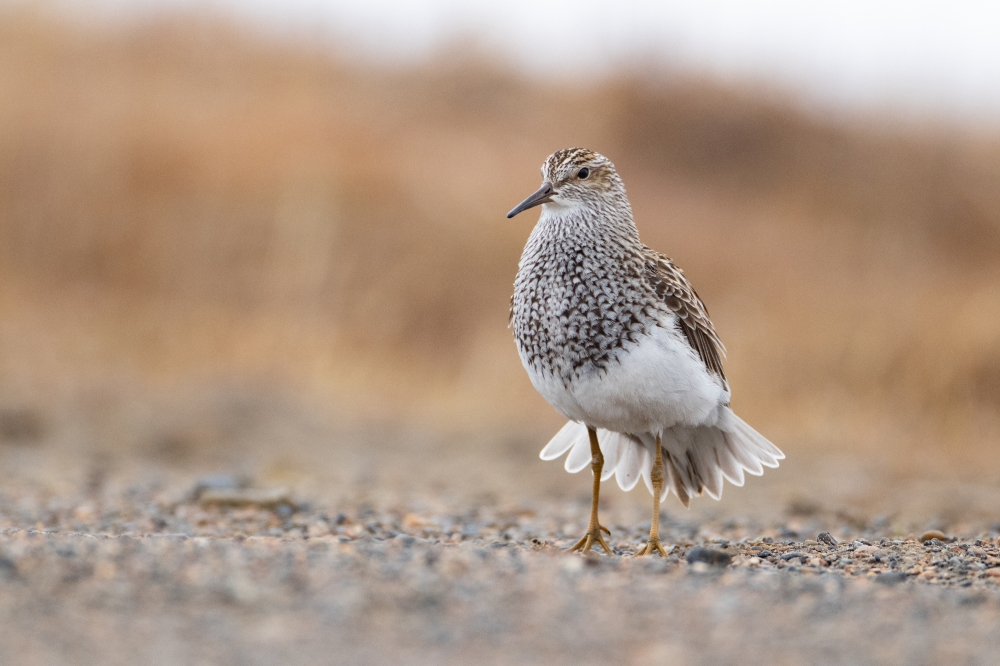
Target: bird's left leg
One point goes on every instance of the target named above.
(656, 477)
(594, 529)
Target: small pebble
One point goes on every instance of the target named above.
(890, 577)
(413, 521)
(709, 556)
(827, 538)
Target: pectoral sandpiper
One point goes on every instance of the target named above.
(615, 338)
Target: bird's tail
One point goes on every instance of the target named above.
(696, 459)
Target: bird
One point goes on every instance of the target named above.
(615, 338)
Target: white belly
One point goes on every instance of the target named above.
(654, 384)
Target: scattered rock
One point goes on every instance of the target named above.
(933, 534)
(890, 577)
(710, 556)
(412, 521)
(827, 538)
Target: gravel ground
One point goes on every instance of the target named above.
(221, 573)
(242, 532)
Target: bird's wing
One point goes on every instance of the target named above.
(677, 294)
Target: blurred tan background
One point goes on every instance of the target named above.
(190, 210)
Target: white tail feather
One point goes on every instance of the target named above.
(563, 441)
(633, 460)
(612, 445)
(729, 465)
(579, 456)
(747, 461)
(696, 459)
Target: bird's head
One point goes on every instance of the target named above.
(575, 177)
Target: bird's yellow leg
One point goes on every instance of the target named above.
(593, 534)
(656, 476)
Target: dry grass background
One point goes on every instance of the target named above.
(183, 204)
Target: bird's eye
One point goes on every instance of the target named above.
(583, 173)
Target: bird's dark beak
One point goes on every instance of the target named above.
(543, 195)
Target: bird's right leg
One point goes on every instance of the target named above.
(593, 534)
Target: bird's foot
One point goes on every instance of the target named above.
(652, 546)
(593, 536)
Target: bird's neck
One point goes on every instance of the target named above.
(586, 226)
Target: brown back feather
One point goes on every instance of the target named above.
(678, 295)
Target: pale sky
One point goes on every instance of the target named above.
(937, 57)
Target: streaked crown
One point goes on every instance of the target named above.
(583, 176)
(578, 173)
(565, 165)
